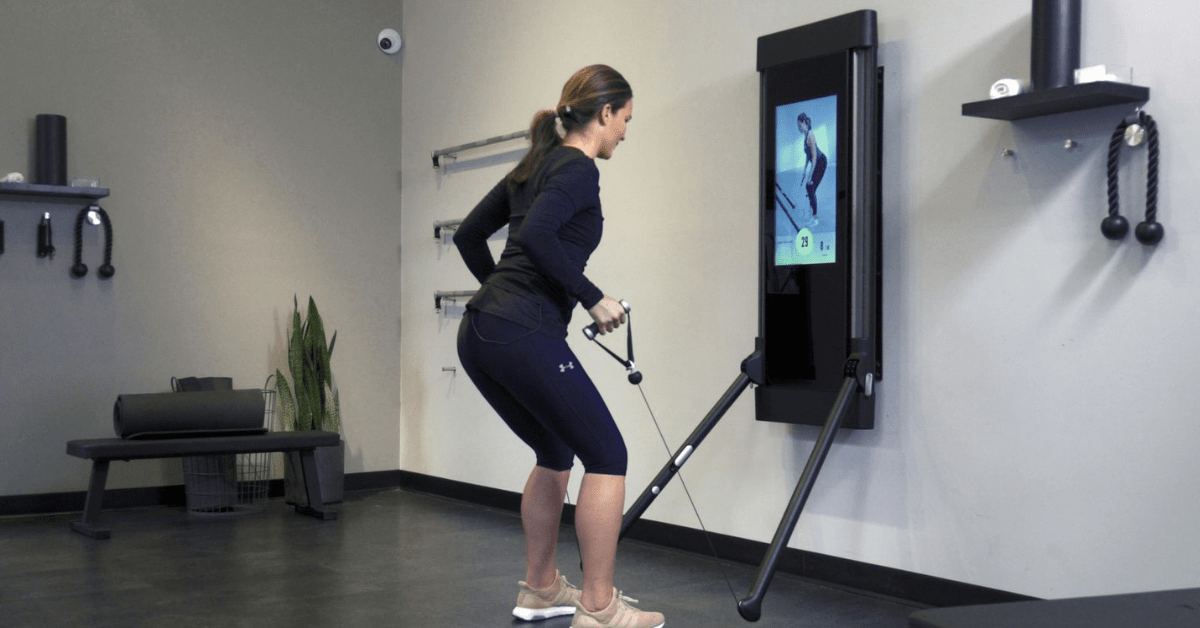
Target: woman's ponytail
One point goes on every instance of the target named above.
(543, 139)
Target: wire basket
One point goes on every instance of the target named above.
(231, 483)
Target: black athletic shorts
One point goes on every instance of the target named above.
(536, 384)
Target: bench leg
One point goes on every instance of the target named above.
(91, 505)
(312, 487)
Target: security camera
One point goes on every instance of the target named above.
(389, 41)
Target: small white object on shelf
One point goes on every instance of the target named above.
(1104, 73)
(1006, 87)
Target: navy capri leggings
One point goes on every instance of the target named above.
(536, 384)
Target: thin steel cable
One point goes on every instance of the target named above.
(703, 528)
(708, 539)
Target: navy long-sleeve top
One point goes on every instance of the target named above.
(554, 224)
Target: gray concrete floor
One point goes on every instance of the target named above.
(393, 558)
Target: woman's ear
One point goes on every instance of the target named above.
(606, 113)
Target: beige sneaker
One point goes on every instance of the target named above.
(558, 599)
(619, 614)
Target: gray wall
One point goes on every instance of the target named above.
(1034, 402)
(252, 150)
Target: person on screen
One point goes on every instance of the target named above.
(814, 163)
(513, 344)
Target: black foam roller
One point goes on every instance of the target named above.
(193, 384)
(1054, 56)
(51, 149)
(207, 412)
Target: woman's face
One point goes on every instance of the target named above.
(614, 129)
(802, 126)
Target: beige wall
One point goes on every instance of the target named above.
(253, 152)
(1034, 402)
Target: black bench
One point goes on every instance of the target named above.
(1159, 609)
(101, 451)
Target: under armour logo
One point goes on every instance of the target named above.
(562, 368)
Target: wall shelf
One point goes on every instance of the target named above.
(1057, 100)
(37, 190)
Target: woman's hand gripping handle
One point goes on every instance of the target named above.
(608, 313)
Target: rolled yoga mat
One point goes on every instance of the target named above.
(189, 414)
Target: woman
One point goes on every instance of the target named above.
(512, 344)
(812, 157)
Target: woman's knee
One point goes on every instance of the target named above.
(554, 460)
(615, 461)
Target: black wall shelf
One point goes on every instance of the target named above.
(37, 190)
(1057, 100)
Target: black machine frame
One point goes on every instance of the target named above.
(849, 39)
(812, 316)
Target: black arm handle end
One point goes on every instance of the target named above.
(750, 609)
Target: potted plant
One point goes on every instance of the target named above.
(310, 402)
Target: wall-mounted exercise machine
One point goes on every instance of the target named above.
(817, 355)
(819, 290)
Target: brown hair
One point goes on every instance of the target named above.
(583, 98)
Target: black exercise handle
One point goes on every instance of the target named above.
(635, 376)
(592, 330)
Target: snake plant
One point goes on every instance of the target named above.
(315, 403)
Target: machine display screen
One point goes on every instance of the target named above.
(806, 146)
(805, 220)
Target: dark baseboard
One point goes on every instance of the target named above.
(56, 503)
(842, 572)
(173, 496)
(372, 480)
